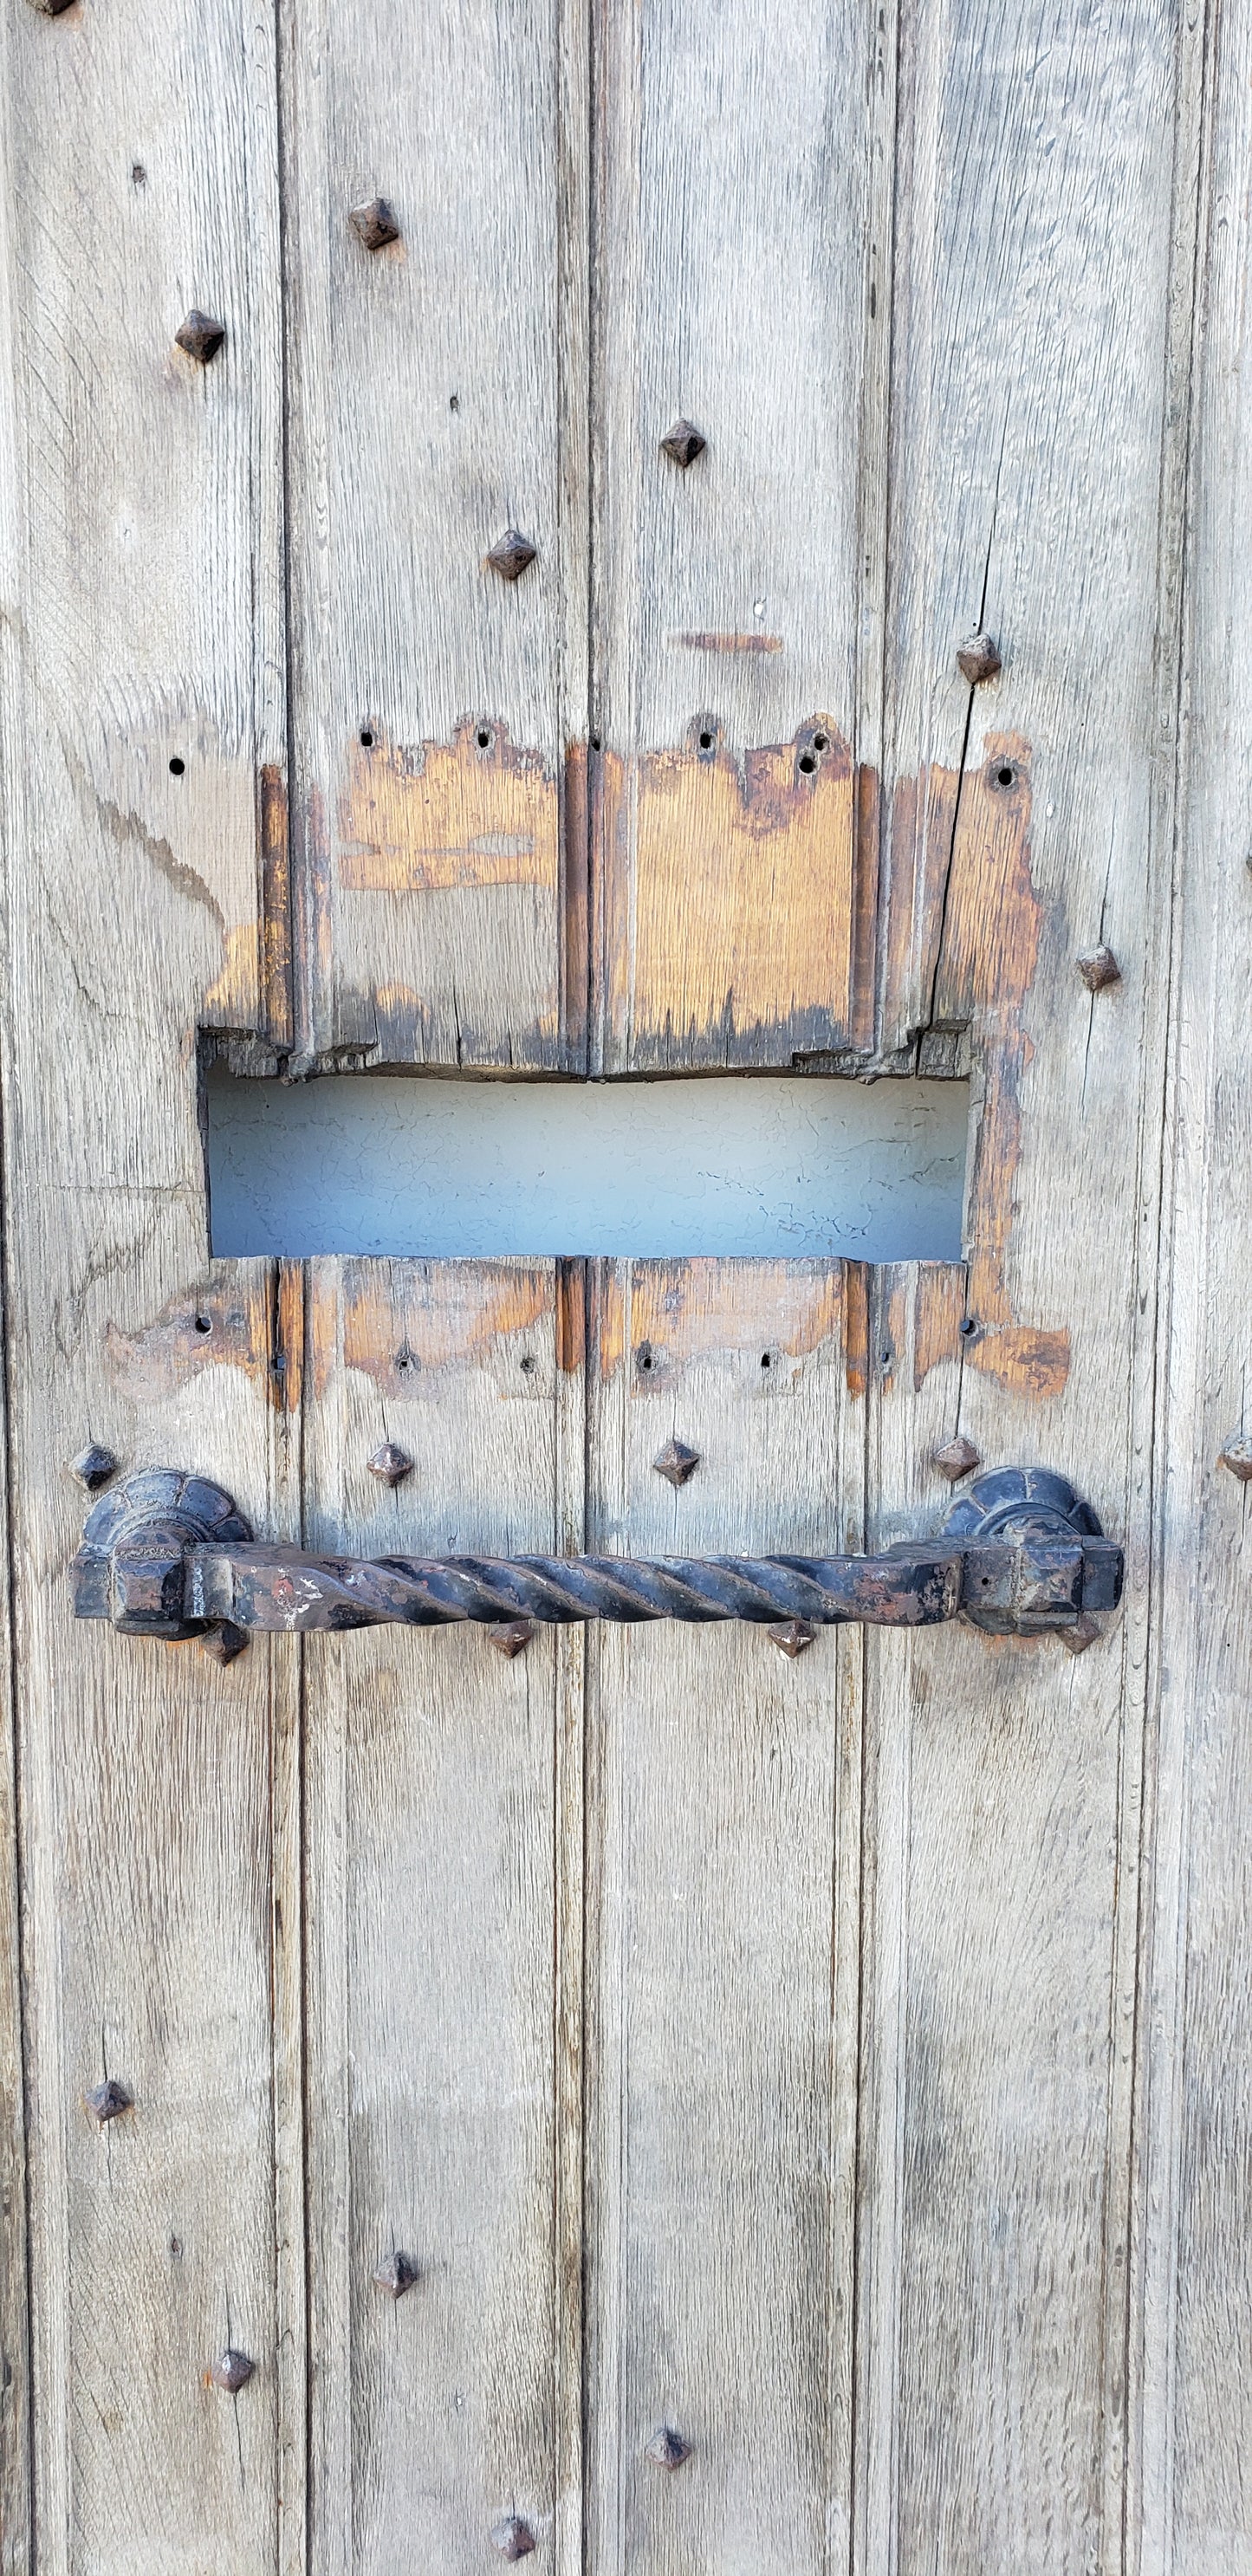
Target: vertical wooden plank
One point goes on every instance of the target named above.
(443, 2031)
(1190, 2495)
(723, 1833)
(1031, 821)
(438, 402)
(741, 212)
(141, 678)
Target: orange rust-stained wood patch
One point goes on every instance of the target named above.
(728, 893)
(403, 1322)
(685, 1310)
(224, 1322)
(477, 812)
(986, 965)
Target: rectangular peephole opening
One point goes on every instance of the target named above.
(433, 1166)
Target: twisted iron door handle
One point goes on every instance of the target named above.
(168, 1555)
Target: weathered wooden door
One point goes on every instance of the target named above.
(810, 2091)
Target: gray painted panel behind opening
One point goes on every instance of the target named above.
(428, 1166)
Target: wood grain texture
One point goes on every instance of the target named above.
(727, 295)
(723, 1850)
(142, 629)
(1003, 1800)
(438, 399)
(444, 1941)
(1190, 2495)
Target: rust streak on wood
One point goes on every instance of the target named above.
(574, 911)
(476, 812)
(856, 1297)
(571, 1316)
(275, 909)
(287, 1379)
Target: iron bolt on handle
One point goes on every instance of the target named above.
(167, 1555)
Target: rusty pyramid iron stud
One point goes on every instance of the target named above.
(956, 1458)
(390, 1464)
(1098, 967)
(200, 336)
(791, 1636)
(107, 2101)
(232, 2370)
(224, 1642)
(978, 659)
(676, 1462)
(511, 554)
(667, 2448)
(683, 443)
(1082, 1633)
(374, 224)
(511, 1636)
(93, 1467)
(396, 2275)
(513, 2537)
(1237, 1455)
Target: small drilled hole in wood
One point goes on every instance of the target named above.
(766, 1361)
(204, 1323)
(968, 1326)
(530, 1364)
(644, 1355)
(821, 742)
(177, 767)
(367, 739)
(1005, 777)
(807, 763)
(595, 742)
(706, 742)
(484, 739)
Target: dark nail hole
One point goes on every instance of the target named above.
(405, 1360)
(1005, 777)
(367, 738)
(887, 1358)
(644, 1355)
(454, 402)
(706, 742)
(138, 175)
(484, 739)
(204, 1323)
(820, 742)
(968, 1326)
(765, 1359)
(177, 767)
(807, 763)
(595, 742)
(530, 1363)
